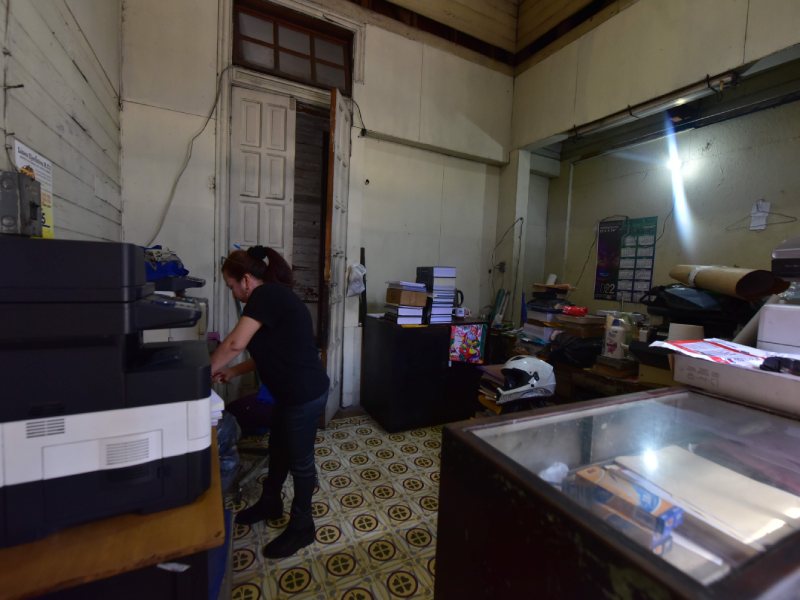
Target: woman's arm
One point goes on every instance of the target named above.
(234, 344)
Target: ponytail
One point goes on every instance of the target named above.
(265, 264)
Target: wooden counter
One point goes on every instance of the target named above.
(113, 546)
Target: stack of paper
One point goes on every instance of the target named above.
(217, 406)
(744, 508)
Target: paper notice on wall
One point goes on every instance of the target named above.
(758, 215)
(37, 166)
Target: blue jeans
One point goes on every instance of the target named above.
(291, 450)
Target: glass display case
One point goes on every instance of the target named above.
(671, 493)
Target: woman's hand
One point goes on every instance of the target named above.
(224, 375)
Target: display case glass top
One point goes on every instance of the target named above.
(704, 483)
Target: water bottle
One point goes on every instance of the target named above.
(614, 340)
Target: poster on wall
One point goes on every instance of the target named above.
(625, 258)
(37, 166)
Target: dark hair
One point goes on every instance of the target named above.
(265, 264)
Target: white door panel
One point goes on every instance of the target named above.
(276, 176)
(262, 170)
(251, 174)
(276, 117)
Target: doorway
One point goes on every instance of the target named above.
(284, 192)
(312, 134)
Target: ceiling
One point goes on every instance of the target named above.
(511, 31)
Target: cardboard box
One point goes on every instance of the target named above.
(778, 391)
(656, 376)
(658, 543)
(405, 297)
(609, 487)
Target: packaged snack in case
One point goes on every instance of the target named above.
(610, 487)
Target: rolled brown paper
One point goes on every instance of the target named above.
(748, 284)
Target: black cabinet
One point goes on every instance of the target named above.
(407, 380)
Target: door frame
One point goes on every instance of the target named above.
(229, 76)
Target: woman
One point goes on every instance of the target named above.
(275, 328)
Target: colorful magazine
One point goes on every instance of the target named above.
(466, 343)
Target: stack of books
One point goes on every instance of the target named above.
(542, 323)
(405, 302)
(440, 283)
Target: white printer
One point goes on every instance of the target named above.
(93, 422)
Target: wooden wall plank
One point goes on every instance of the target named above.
(76, 222)
(476, 18)
(81, 194)
(67, 109)
(93, 145)
(537, 17)
(33, 132)
(5, 163)
(35, 46)
(66, 31)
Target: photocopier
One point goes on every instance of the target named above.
(94, 422)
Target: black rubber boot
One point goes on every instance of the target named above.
(290, 541)
(268, 507)
(300, 531)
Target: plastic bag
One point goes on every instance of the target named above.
(355, 279)
(228, 434)
(162, 262)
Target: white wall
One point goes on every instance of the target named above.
(62, 70)
(422, 94)
(536, 230)
(422, 208)
(726, 168)
(647, 50)
(168, 90)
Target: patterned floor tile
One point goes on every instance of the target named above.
(375, 510)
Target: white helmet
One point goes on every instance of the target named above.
(526, 377)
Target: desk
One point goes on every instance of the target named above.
(407, 380)
(118, 546)
(574, 384)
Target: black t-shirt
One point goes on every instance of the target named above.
(283, 348)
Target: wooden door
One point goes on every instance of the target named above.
(335, 245)
(262, 170)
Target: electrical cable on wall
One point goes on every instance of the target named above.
(519, 255)
(664, 224)
(360, 116)
(187, 158)
(492, 257)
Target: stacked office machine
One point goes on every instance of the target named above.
(93, 421)
(440, 282)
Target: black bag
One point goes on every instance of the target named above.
(572, 350)
(719, 314)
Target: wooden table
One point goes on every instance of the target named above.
(109, 547)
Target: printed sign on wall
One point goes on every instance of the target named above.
(37, 166)
(625, 258)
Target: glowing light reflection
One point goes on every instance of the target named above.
(681, 214)
(650, 460)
